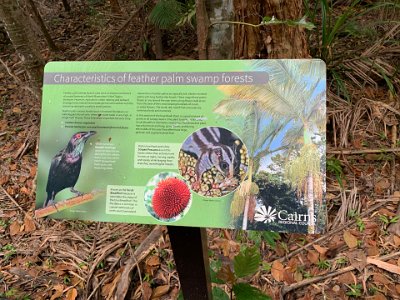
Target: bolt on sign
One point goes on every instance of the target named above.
(227, 144)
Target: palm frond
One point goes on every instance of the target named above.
(166, 13)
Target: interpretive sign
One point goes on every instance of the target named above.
(229, 144)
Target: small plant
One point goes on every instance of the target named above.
(266, 266)
(4, 223)
(9, 251)
(359, 222)
(170, 264)
(67, 280)
(382, 136)
(10, 293)
(246, 263)
(355, 290)
(268, 236)
(341, 261)
(387, 220)
(334, 166)
(323, 264)
(100, 265)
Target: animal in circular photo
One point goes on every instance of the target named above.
(213, 160)
(167, 197)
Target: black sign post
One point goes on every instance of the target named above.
(189, 245)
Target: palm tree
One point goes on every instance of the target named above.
(295, 91)
(257, 131)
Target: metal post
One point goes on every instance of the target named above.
(189, 245)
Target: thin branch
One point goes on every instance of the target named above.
(362, 151)
(51, 209)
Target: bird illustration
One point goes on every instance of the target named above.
(66, 167)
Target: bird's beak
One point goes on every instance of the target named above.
(89, 134)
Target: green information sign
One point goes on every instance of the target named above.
(228, 144)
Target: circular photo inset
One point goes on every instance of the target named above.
(167, 197)
(213, 161)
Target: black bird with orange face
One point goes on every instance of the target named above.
(66, 167)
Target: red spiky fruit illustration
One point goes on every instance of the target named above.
(170, 198)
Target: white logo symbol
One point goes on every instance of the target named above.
(265, 215)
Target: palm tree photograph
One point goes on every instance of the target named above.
(282, 124)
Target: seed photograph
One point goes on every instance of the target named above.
(167, 197)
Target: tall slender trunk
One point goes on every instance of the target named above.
(39, 19)
(310, 203)
(202, 28)
(26, 47)
(310, 186)
(248, 197)
(220, 45)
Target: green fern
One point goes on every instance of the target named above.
(166, 14)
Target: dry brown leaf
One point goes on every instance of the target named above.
(350, 240)
(358, 259)
(396, 194)
(292, 265)
(14, 228)
(298, 276)
(386, 212)
(321, 250)
(146, 290)
(396, 240)
(109, 288)
(229, 247)
(380, 278)
(226, 274)
(16, 110)
(58, 291)
(29, 224)
(153, 261)
(384, 265)
(288, 277)
(32, 171)
(71, 294)
(160, 291)
(398, 288)
(347, 278)
(277, 270)
(378, 296)
(372, 251)
(313, 256)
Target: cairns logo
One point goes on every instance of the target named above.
(265, 215)
(269, 215)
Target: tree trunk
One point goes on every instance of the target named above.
(202, 28)
(39, 19)
(26, 47)
(220, 44)
(158, 42)
(310, 203)
(286, 41)
(247, 39)
(275, 41)
(66, 5)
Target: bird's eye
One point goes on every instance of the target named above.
(78, 136)
(224, 165)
